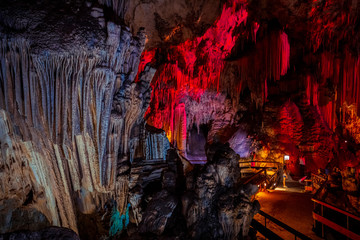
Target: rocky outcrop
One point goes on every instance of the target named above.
(207, 202)
(161, 206)
(215, 205)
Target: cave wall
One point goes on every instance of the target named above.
(69, 102)
(292, 57)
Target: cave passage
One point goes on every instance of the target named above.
(177, 119)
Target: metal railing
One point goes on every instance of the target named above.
(319, 216)
(322, 208)
(258, 164)
(297, 234)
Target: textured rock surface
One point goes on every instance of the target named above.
(56, 134)
(207, 202)
(215, 205)
(166, 21)
(55, 233)
(161, 207)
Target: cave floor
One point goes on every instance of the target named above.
(291, 206)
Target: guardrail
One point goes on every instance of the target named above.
(297, 234)
(258, 164)
(253, 176)
(265, 231)
(321, 218)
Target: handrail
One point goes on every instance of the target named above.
(253, 176)
(283, 225)
(258, 161)
(336, 209)
(265, 231)
(336, 227)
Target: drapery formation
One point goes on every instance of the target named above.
(60, 104)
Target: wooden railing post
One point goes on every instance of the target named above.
(265, 224)
(320, 218)
(322, 224)
(265, 221)
(347, 223)
(284, 226)
(313, 218)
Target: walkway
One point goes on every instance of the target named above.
(289, 205)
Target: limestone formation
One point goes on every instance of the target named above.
(57, 95)
(135, 113)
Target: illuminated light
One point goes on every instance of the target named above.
(286, 157)
(345, 141)
(265, 184)
(173, 32)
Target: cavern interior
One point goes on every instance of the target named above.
(179, 119)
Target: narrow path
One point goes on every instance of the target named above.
(291, 206)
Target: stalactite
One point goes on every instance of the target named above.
(312, 91)
(156, 146)
(328, 114)
(285, 53)
(332, 22)
(66, 100)
(114, 141)
(344, 74)
(179, 127)
(351, 121)
(188, 78)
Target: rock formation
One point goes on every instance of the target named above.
(67, 114)
(215, 204)
(207, 202)
(107, 103)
